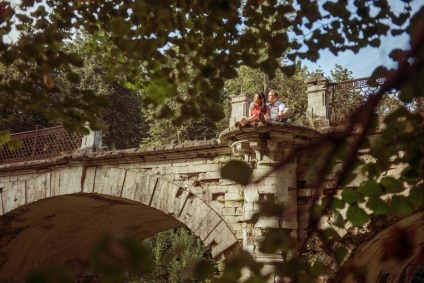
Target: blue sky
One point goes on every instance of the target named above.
(367, 59)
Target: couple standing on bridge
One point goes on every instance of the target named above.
(262, 112)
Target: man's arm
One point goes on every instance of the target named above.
(283, 111)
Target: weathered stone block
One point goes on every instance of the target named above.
(210, 222)
(217, 206)
(217, 189)
(13, 196)
(89, 180)
(232, 219)
(169, 198)
(236, 196)
(213, 175)
(229, 211)
(109, 181)
(267, 223)
(251, 195)
(38, 188)
(236, 227)
(233, 203)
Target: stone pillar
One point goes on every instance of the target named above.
(280, 187)
(239, 107)
(92, 141)
(318, 111)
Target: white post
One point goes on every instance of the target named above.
(92, 141)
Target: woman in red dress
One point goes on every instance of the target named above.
(257, 106)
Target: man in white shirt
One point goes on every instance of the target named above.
(276, 110)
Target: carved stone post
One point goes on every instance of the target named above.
(264, 148)
(318, 101)
(239, 107)
(92, 141)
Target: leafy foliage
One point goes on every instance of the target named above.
(419, 276)
(164, 131)
(121, 101)
(114, 256)
(183, 51)
(399, 144)
(125, 126)
(138, 39)
(237, 171)
(175, 254)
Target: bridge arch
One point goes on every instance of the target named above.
(165, 196)
(98, 197)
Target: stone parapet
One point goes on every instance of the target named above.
(189, 150)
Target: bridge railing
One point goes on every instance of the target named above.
(346, 96)
(41, 144)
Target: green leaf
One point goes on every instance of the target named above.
(14, 144)
(411, 174)
(318, 268)
(120, 27)
(337, 203)
(73, 77)
(371, 188)
(255, 218)
(357, 216)
(351, 196)
(397, 54)
(50, 274)
(277, 239)
(317, 211)
(379, 72)
(348, 178)
(329, 234)
(406, 93)
(391, 185)
(270, 208)
(416, 196)
(401, 206)
(393, 117)
(289, 70)
(377, 205)
(27, 3)
(237, 171)
(163, 111)
(4, 136)
(76, 59)
(204, 269)
(338, 220)
(370, 170)
(340, 254)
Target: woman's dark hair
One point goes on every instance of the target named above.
(263, 102)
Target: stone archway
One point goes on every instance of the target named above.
(165, 196)
(62, 230)
(62, 212)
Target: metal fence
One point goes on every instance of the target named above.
(346, 96)
(41, 144)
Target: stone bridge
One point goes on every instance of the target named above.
(54, 210)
